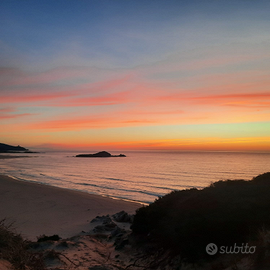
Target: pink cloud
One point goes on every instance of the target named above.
(110, 99)
(13, 116)
(28, 97)
(143, 96)
(102, 92)
(10, 113)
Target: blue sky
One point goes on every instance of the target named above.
(125, 33)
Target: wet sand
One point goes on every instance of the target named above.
(38, 209)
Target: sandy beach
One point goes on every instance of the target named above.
(38, 209)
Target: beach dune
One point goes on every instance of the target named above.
(38, 209)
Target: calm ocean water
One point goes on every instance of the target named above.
(141, 176)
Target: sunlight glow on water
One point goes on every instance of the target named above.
(141, 176)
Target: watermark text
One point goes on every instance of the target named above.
(212, 249)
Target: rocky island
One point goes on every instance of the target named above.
(100, 154)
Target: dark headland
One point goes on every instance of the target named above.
(100, 154)
(5, 148)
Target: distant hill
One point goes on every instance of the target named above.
(5, 148)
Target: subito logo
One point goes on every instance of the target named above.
(211, 249)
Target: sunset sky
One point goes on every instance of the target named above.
(135, 74)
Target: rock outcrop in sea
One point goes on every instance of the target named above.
(100, 154)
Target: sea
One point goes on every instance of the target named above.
(141, 176)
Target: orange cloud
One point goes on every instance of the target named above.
(84, 123)
(187, 144)
(203, 144)
(242, 99)
(68, 124)
(237, 99)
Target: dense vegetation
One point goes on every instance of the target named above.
(225, 213)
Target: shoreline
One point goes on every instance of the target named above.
(105, 196)
(8, 156)
(38, 209)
